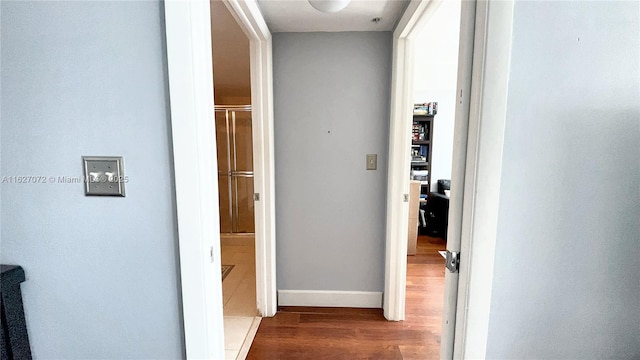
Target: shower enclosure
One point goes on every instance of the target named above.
(235, 168)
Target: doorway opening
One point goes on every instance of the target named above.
(189, 62)
(235, 169)
(436, 62)
(482, 77)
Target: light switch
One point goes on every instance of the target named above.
(372, 161)
(103, 176)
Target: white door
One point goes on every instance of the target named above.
(479, 130)
(459, 165)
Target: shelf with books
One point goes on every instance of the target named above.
(426, 109)
(421, 146)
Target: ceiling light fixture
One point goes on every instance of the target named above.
(329, 6)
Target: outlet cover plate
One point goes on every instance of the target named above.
(103, 175)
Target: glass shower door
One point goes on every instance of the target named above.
(242, 174)
(223, 142)
(235, 169)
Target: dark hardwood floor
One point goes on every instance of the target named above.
(342, 333)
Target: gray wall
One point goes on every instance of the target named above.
(567, 271)
(331, 109)
(89, 78)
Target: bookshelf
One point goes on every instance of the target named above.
(421, 146)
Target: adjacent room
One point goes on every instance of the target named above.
(434, 114)
(232, 91)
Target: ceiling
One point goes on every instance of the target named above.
(232, 80)
(299, 16)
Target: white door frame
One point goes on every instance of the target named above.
(249, 17)
(485, 48)
(483, 173)
(399, 162)
(195, 162)
(188, 33)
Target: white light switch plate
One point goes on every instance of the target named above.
(103, 176)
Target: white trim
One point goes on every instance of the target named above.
(413, 18)
(461, 131)
(188, 31)
(492, 59)
(397, 210)
(248, 16)
(353, 299)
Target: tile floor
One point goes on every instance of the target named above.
(241, 318)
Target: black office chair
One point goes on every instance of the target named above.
(443, 185)
(437, 211)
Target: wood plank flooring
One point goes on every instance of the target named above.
(342, 333)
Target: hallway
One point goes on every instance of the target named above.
(341, 333)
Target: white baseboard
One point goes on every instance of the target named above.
(355, 299)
